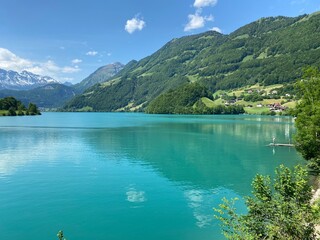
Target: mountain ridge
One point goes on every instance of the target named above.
(268, 51)
(102, 74)
(24, 80)
(52, 95)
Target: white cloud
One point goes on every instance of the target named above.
(204, 3)
(71, 69)
(197, 201)
(197, 21)
(10, 61)
(67, 79)
(91, 53)
(134, 24)
(216, 29)
(76, 61)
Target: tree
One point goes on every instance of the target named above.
(277, 210)
(308, 118)
(21, 108)
(33, 109)
(12, 111)
(9, 102)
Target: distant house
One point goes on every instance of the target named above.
(230, 102)
(259, 105)
(276, 107)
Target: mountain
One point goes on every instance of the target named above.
(69, 84)
(268, 51)
(52, 95)
(102, 74)
(22, 81)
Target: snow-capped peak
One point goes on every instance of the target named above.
(22, 81)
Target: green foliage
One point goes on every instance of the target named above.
(102, 74)
(12, 111)
(33, 109)
(308, 118)
(254, 97)
(221, 109)
(12, 106)
(261, 52)
(187, 100)
(178, 101)
(49, 96)
(276, 210)
(9, 102)
(135, 90)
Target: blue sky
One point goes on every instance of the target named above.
(69, 39)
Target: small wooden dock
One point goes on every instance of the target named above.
(280, 145)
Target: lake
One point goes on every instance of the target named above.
(130, 175)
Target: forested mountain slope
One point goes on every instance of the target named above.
(268, 51)
(50, 96)
(102, 74)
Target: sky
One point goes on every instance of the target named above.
(69, 39)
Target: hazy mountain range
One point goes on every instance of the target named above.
(22, 81)
(47, 92)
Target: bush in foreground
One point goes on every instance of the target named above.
(278, 209)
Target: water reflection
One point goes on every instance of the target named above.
(203, 155)
(167, 171)
(206, 152)
(135, 196)
(20, 147)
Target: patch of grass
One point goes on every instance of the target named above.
(270, 101)
(257, 110)
(147, 74)
(138, 69)
(85, 109)
(219, 102)
(3, 112)
(290, 104)
(208, 102)
(108, 83)
(219, 92)
(236, 93)
(192, 78)
(269, 88)
(244, 36)
(247, 58)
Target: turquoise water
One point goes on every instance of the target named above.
(130, 176)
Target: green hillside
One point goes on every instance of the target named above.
(269, 51)
(102, 74)
(49, 96)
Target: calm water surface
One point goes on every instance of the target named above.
(125, 176)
